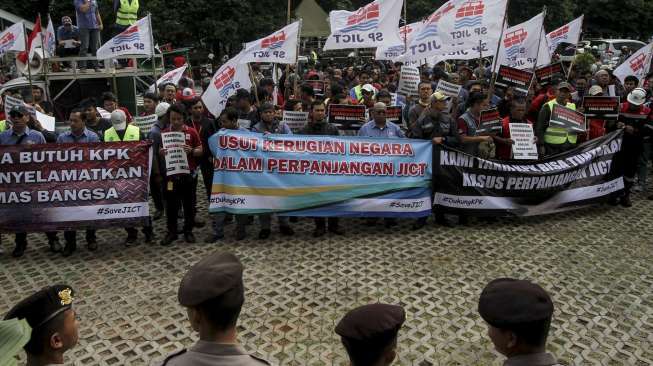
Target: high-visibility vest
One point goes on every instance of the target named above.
(3, 125)
(559, 135)
(127, 12)
(131, 134)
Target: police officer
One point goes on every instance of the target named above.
(369, 334)
(55, 328)
(518, 315)
(213, 293)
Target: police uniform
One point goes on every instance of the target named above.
(506, 303)
(218, 275)
(368, 330)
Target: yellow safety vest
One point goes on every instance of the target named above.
(131, 134)
(3, 125)
(559, 135)
(127, 12)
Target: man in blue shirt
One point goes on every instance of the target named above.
(67, 38)
(89, 23)
(78, 134)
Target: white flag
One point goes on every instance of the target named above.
(568, 33)
(471, 22)
(390, 52)
(172, 76)
(636, 65)
(373, 25)
(12, 39)
(279, 47)
(135, 40)
(231, 76)
(50, 39)
(519, 45)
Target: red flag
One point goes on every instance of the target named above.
(36, 32)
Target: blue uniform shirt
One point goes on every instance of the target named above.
(86, 136)
(391, 130)
(30, 137)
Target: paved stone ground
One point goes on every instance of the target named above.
(597, 264)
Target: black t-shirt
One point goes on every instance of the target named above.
(102, 125)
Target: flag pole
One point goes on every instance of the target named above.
(45, 61)
(405, 25)
(480, 56)
(496, 54)
(29, 69)
(299, 32)
(253, 79)
(539, 40)
(149, 20)
(286, 93)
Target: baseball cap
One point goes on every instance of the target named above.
(161, 109)
(18, 109)
(595, 90)
(637, 97)
(564, 85)
(438, 96)
(369, 88)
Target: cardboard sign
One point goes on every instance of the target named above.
(245, 123)
(393, 114)
(145, 123)
(295, 120)
(409, 81)
(317, 85)
(602, 107)
(568, 119)
(46, 121)
(347, 117)
(546, 74)
(524, 147)
(103, 113)
(449, 89)
(490, 122)
(176, 159)
(519, 80)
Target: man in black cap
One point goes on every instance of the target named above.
(518, 314)
(55, 328)
(213, 293)
(369, 333)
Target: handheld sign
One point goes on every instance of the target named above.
(546, 74)
(347, 117)
(524, 147)
(601, 107)
(449, 89)
(295, 120)
(393, 114)
(145, 123)
(176, 159)
(490, 122)
(11, 102)
(409, 81)
(568, 119)
(518, 79)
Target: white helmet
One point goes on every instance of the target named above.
(637, 97)
(161, 109)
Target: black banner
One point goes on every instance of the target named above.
(545, 74)
(490, 122)
(601, 107)
(393, 114)
(568, 119)
(347, 117)
(586, 175)
(520, 80)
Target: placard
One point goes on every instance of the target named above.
(103, 113)
(145, 123)
(393, 114)
(568, 118)
(46, 121)
(524, 147)
(518, 79)
(546, 74)
(490, 122)
(449, 89)
(408, 81)
(176, 159)
(602, 107)
(347, 117)
(295, 120)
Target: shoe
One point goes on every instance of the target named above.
(318, 232)
(130, 241)
(69, 249)
(418, 224)
(390, 223)
(336, 230)
(228, 219)
(212, 238)
(614, 201)
(157, 215)
(286, 231)
(168, 240)
(240, 235)
(19, 250)
(149, 236)
(55, 246)
(626, 202)
(264, 234)
(189, 238)
(91, 244)
(199, 224)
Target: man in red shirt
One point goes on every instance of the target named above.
(179, 187)
(517, 115)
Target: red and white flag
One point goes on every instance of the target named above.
(568, 33)
(33, 41)
(637, 65)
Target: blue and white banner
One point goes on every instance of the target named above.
(135, 40)
(320, 175)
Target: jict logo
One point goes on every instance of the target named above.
(274, 41)
(431, 27)
(513, 42)
(559, 35)
(637, 63)
(224, 81)
(130, 35)
(365, 19)
(470, 14)
(7, 42)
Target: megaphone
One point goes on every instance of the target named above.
(35, 64)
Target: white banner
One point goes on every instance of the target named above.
(295, 120)
(279, 47)
(519, 45)
(568, 33)
(390, 52)
(12, 39)
(471, 21)
(172, 76)
(524, 147)
(176, 159)
(231, 76)
(636, 65)
(145, 123)
(373, 25)
(408, 81)
(50, 39)
(135, 40)
(449, 89)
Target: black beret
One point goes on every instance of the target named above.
(43, 306)
(506, 302)
(214, 276)
(372, 323)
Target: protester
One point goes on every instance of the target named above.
(169, 93)
(158, 164)
(44, 105)
(355, 93)
(245, 109)
(93, 121)
(468, 123)
(517, 115)
(110, 104)
(368, 93)
(596, 126)
(150, 101)
(425, 91)
(89, 23)
(554, 140)
(68, 39)
(602, 78)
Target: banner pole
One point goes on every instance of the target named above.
(29, 69)
(539, 40)
(496, 54)
(405, 25)
(286, 92)
(253, 79)
(480, 56)
(299, 32)
(149, 20)
(46, 59)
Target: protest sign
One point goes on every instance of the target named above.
(145, 123)
(490, 122)
(519, 80)
(602, 107)
(409, 81)
(547, 74)
(176, 159)
(449, 89)
(318, 176)
(583, 176)
(103, 113)
(295, 120)
(347, 117)
(524, 147)
(46, 121)
(50, 187)
(568, 119)
(393, 114)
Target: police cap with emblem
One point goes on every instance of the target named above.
(218, 275)
(507, 302)
(371, 327)
(43, 306)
